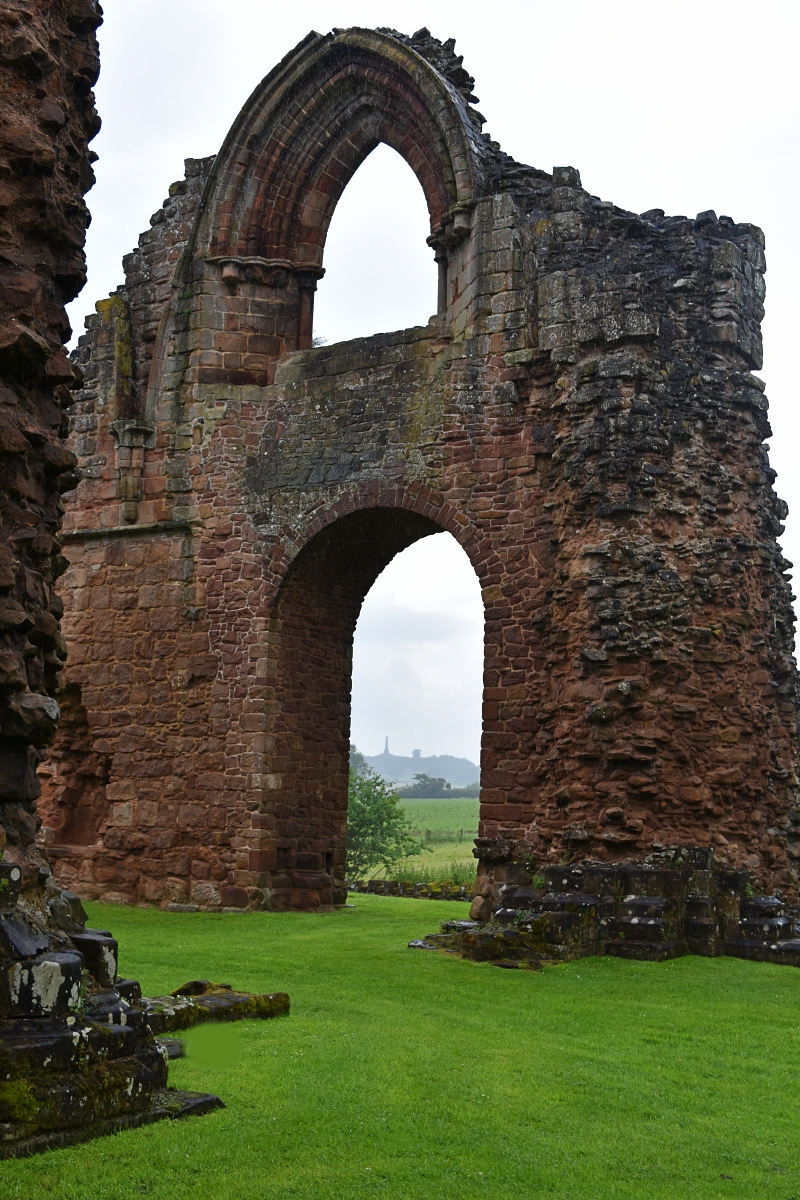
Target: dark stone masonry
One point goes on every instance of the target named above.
(78, 1049)
(674, 902)
(580, 414)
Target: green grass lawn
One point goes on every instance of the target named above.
(409, 1074)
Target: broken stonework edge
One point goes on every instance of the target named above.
(679, 901)
(107, 1058)
(175, 1047)
(168, 1103)
(201, 1001)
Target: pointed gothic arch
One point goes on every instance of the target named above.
(264, 214)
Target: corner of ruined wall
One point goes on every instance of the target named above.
(116, 441)
(664, 533)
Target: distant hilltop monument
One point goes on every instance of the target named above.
(399, 768)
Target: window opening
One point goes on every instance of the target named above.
(380, 275)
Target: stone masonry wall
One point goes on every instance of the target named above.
(581, 415)
(48, 64)
(78, 1052)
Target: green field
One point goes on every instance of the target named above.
(440, 818)
(414, 1075)
(440, 861)
(443, 814)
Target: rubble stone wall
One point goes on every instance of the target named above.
(49, 63)
(581, 415)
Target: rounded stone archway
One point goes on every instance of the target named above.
(311, 639)
(580, 414)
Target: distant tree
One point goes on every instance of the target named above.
(357, 761)
(426, 788)
(378, 832)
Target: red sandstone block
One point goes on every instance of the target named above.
(191, 816)
(211, 781)
(262, 860)
(252, 722)
(236, 342)
(162, 619)
(177, 863)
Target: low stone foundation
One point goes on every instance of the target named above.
(676, 902)
(413, 891)
(80, 1053)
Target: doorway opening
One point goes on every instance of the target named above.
(417, 698)
(310, 726)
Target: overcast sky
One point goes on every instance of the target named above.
(683, 106)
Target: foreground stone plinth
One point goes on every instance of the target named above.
(103, 1068)
(674, 903)
(65, 1079)
(164, 1104)
(80, 1054)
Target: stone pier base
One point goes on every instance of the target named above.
(676, 902)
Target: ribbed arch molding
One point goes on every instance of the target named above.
(309, 126)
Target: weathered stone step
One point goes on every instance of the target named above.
(702, 927)
(647, 951)
(760, 951)
(520, 898)
(572, 902)
(767, 928)
(200, 1001)
(100, 953)
(49, 1045)
(18, 1141)
(644, 929)
(762, 906)
(646, 906)
(41, 987)
(504, 916)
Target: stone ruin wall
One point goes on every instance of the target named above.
(136, 653)
(49, 62)
(57, 1081)
(78, 1049)
(581, 415)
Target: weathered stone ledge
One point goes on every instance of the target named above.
(85, 535)
(680, 902)
(166, 1104)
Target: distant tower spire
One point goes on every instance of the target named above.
(386, 747)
